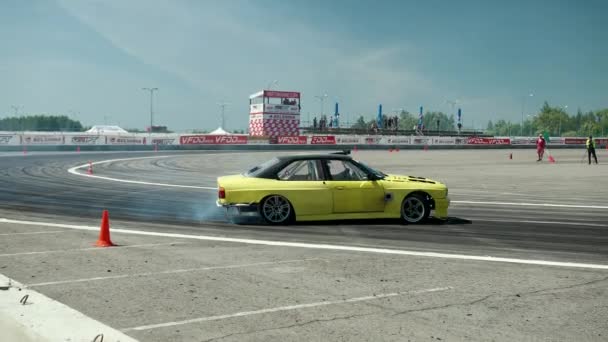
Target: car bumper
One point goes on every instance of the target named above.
(441, 208)
(239, 209)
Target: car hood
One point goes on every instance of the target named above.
(403, 179)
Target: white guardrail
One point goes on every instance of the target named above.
(83, 139)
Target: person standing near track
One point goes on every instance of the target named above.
(591, 149)
(540, 147)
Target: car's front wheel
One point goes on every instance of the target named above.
(276, 209)
(415, 208)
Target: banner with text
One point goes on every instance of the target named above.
(213, 140)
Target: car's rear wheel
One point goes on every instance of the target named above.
(415, 208)
(276, 209)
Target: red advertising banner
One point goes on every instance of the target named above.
(488, 141)
(213, 140)
(297, 140)
(323, 140)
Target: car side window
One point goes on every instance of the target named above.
(302, 170)
(343, 170)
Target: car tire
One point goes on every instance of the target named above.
(276, 210)
(415, 208)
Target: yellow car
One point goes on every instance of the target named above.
(329, 187)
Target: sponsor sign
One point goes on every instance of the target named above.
(583, 141)
(85, 139)
(523, 141)
(282, 94)
(348, 140)
(422, 141)
(460, 140)
(372, 140)
(488, 141)
(163, 141)
(398, 140)
(129, 140)
(296, 140)
(323, 140)
(213, 139)
(444, 141)
(274, 109)
(6, 139)
(43, 139)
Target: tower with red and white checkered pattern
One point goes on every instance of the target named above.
(274, 113)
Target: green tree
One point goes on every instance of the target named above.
(46, 123)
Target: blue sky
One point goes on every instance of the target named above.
(90, 59)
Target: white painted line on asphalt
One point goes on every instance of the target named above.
(532, 204)
(322, 246)
(569, 223)
(144, 274)
(286, 308)
(74, 171)
(90, 249)
(45, 319)
(34, 233)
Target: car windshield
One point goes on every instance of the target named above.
(371, 170)
(256, 171)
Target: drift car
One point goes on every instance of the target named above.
(329, 187)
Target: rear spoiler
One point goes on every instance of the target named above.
(343, 152)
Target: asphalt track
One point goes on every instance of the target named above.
(184, 273)
(508, 213)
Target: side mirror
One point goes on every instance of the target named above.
(372, 177)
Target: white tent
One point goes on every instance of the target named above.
(107, 129)
(219, 131)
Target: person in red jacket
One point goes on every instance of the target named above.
(540, 146)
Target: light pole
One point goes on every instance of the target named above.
(531, 116)
(523, 105)
(322, 99)
(223, 106)
(151, 90)
(16, 109)
(271, 84)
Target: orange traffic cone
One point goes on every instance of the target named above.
(551, 159)
(426, 147)
(90, 169)
(104, 233)
(390, 149)
(511, 155)
(396, 149)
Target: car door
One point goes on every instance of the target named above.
(352, 191)
(302, 181)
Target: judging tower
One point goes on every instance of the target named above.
(274, 113)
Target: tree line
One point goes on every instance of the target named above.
(43, 123)
(555, 121)
(551, 119)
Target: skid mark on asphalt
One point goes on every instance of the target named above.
(34, 233)
(114, 248)
(323, 246)
(186, 270)
(286, 308)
